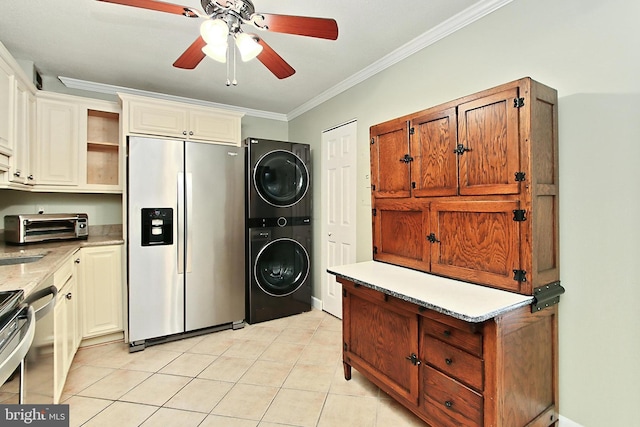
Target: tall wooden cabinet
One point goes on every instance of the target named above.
(469, 189)
(464, 194)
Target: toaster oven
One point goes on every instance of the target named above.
(21, 229)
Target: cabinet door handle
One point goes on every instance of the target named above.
(77, 261)
(184, 132)
(30, 177)
(413, 359)
(448, 404)
(68, 296)
(190, 132)
(17, 174)
(448, 361)
(447, 333)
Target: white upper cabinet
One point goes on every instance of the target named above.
(17, 124)
(58, 141)
(155, 117)
(78, 145)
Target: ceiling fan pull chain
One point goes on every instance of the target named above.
(228, 81)
(234, 82)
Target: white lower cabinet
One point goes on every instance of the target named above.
(100, 275)
(65, 323)
(88, 306)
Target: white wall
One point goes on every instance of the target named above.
(589, 51)
(103, 209)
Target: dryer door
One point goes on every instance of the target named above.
(281, 267)
(281, 178)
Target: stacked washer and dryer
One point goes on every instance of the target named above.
(278, 218)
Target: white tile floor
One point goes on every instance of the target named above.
(285, 372)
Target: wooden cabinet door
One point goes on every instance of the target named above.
(380, 339)
(6, 107)
(400, 232)
(434, 170)
(149, 118)
(390, 167)
(488, 135)
(478, 242)
(214, 126)
(101, 290)
(58, 142)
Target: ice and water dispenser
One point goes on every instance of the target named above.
(157, 226)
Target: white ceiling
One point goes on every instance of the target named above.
(134, 48)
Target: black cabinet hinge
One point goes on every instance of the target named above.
(344, 293)
(546, 296)
(373, 187)
(520, 176)
(432, 238)
(375, 250)
(344, 346)
(374, 212)
(518, 102)
(519, 215)
(519, 275)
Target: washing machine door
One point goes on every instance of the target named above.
(281, 267)
(281, 178)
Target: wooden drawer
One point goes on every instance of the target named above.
(463, 339)
(447, 403)
(453, 362)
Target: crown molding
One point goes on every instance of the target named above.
(453, 24)
(112, 90)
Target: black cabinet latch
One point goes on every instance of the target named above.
(460, 149)
(413, 359)
(406, 159)
(432, 238)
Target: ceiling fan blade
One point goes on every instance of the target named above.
(156, 5)
(274, 62)
(322, 28)
(192, 56)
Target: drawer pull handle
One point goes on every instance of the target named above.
(448, 404)
(448, 361)
(447, 333)
(68, 296)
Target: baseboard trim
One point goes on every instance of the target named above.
(566, 422)
(316, 303)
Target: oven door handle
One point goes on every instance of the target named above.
(42, 293)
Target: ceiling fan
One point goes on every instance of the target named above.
(225, 18)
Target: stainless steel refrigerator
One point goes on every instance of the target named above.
(185, 237)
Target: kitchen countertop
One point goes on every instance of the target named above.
(27, 276)
(462, 300)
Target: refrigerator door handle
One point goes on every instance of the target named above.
(180, 215)
(189, 201)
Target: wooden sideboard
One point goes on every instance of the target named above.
(454, 353)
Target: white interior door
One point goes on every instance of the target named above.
(339, 202)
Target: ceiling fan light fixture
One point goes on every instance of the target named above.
(214, 31)
(217, 52)
(248, 46)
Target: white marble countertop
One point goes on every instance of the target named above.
(28, 276)
(462, 300)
